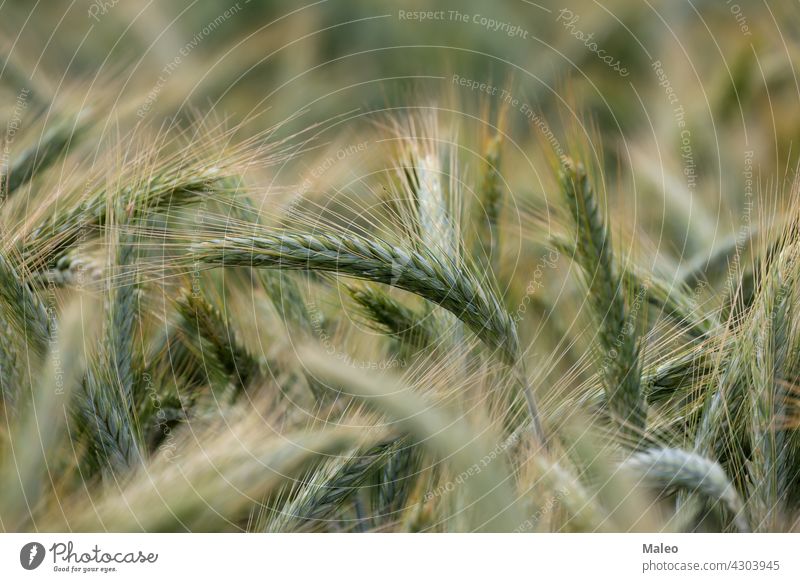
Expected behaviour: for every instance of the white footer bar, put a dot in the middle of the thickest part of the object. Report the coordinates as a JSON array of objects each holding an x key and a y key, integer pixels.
[{"x": 401, "y": 557}]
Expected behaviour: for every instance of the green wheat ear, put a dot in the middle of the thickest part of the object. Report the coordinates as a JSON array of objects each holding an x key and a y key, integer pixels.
[
  {"x": 490, "y": 208},
  {"x": 213, "y": 340},
  {"x": 54, "y": 144},
  {"x": 412, "y": 330},
  {"x": 490, "y": 504},
  {"x": 671, "y": 469},
  {"x": 23, "y": 311},
  {"x": 329, "y": 489},
  {"x": 104, "y": 411},
  {"x": 617, "y": 337},
  {"x": 672, "y": 300},
  {"x": 421, "y": 272}
]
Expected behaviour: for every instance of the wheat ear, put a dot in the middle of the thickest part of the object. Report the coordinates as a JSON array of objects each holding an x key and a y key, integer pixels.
[
  {"x": 618, "y": 338},
  {"x": 412, "y": 330},
  {"x": 418, "y": 272},
  {"x": 105, "y": 405},
  {"x": 669, "y": 468},
  {"x": 423, "y": 273},
  {"x": 330, "y": 487},
  {"x": 769, "y": 399},
  {"x": 53, "y": 145},
  {"x": 22, "y": 309},
  {"x": 206, "y": 327}
]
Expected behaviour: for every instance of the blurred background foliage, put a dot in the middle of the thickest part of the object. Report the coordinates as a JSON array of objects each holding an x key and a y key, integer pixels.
[
  {"x": 705, "y": 116},
  {"x": 730, "y": 65}
]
